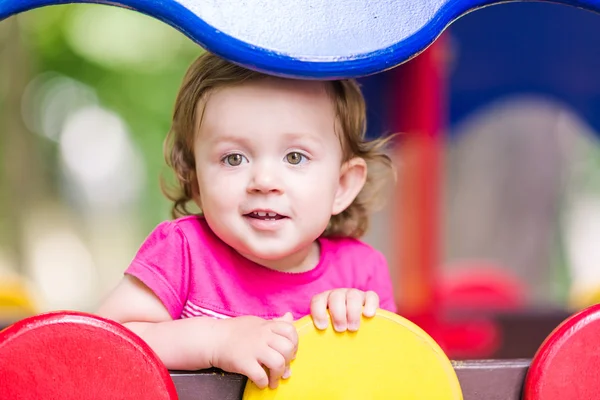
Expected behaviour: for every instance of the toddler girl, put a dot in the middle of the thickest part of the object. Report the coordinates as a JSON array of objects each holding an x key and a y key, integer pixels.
[{"x": 284, "y": 182}]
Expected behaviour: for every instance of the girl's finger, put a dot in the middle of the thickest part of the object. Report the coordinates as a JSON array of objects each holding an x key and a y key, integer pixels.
[
  {"x": 257, "y": 374},
  {"x": 283, "y": 346},
  {"x": 354, "y": 308},
  {"x": 337, "y": 309},
  {"x": 371, "y": 304},
  {"x": 276, "y": 365},
  {"x": 318, "y": 310}
]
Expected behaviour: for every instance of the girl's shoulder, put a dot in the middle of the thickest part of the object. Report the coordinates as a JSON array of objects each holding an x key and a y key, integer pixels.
[
  {"x": 191, "y": 225},
  {"x": 190, "y": 222},
  {"x": 191, "y": 228},
  {"x": 348, "y": 248},
  {"x": 357, "y": 263}
]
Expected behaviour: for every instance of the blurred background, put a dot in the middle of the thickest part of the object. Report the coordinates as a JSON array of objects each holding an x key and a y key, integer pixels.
[
  {"x": 86, "y": 98},
  {"x": 498, "y": 194}
]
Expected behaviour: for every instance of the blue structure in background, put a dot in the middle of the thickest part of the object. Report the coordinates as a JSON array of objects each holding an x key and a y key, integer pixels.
[
  {"x": 510, "y": 48},
  {"x": 517, "y": 48},
  {"x": 536, "y": 48}
]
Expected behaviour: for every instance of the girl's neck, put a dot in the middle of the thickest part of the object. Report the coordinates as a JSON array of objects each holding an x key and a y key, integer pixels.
[{"x": 302, "y": 260}]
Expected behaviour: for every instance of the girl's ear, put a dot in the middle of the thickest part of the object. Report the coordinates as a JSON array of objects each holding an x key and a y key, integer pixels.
[{"x": 353, "y": 176}]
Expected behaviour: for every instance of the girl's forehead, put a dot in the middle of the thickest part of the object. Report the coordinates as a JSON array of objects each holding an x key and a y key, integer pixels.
[
  {"x": 279, "y": 100},
  {"x": 277, "y": 109},
  {"x": 272, "y": 89}
]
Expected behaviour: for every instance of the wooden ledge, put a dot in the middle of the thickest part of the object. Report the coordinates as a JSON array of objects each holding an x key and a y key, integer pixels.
[{"x": 479, "y": 379}]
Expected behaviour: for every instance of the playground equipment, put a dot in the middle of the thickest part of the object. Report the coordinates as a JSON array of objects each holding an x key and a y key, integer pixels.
[
  {"x": 311, "y": 40},
  {"x": 72, "y": 355},
  {"x": 52, "y": 356},
  {"x": 386, "y": 346}
]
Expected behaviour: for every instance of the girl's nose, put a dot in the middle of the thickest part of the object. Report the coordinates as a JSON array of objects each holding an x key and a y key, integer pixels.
[{"x": 265, "y": 179}]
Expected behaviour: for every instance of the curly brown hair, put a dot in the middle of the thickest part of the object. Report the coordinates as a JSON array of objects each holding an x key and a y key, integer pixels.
[{"x": 210, "y": 72}]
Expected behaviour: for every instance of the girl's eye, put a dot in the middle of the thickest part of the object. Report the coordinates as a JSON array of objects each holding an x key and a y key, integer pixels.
[
  {"x": 295, "y": 158},
  {"x": 234, "y": 159}
]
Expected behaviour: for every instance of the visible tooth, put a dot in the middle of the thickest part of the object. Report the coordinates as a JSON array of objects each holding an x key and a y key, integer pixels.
[
  {"x": 262, "y": 214},
  {"x": 272, "y": 214}
]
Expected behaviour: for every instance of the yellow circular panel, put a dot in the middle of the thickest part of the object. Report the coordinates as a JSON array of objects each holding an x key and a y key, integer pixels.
[{"x": 389, "y": 357}]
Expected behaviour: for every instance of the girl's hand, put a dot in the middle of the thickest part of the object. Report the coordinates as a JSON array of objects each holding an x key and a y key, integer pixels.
[
  {"x": 260, "y": 349},
  {"x": 345, "y": 307}
]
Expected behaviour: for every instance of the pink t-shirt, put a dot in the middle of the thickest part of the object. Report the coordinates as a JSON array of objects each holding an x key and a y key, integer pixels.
[{"x": 194, "y": 273}]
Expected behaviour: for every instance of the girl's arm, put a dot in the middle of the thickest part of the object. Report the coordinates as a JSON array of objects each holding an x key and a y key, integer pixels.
[
  {"x": 242, "y": 344},
  {"x": 135, "y": 306}
]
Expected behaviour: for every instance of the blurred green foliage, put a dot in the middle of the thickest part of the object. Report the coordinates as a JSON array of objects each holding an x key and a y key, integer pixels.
[{"x": 80, "y": 41}]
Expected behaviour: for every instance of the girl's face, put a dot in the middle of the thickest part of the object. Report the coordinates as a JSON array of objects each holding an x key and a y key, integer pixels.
[{"x": 270, "y": 172}]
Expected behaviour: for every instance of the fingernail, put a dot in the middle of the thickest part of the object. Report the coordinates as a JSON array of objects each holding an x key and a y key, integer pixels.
[
  {"x": 287, "y": 373},
  {"x": 339, "y": 328},
  {"x": 353, "y": 327},
  {"x": 321, "y": 324},
  {"x": 369, "y": 313}
]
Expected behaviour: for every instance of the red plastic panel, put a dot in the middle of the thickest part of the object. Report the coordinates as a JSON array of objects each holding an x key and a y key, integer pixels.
[
  {"x": 481, "y": 285},
  {"x": 71, "y": 355},
  {"x": 478, "y": 288},
  {"x": 566, "y": 365}
]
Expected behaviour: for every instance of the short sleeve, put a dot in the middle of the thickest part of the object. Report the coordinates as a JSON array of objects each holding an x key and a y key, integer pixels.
[
  {"x": 381, "y": 283},
  {"x": 163, "y": 264}
]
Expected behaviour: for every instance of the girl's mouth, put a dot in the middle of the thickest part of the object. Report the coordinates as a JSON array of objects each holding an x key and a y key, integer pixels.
[{"x": 265, "y": 215}]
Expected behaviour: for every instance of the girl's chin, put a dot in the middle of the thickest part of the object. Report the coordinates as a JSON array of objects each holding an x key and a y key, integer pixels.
[
  {"x": 266, "y": 256},
  {"x": 283, "y": 259}
]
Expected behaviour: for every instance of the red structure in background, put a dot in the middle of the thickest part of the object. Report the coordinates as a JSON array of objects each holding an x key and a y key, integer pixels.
[
  {"x": 424, "y": 294},
  {"x": 419, "y": 92}
]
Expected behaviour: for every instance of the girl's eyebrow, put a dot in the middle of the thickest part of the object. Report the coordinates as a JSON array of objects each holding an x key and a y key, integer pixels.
[
  {"x": 316, "y": 139},
  {"x": 231, "y": 139},
  {"x": 245, "y": 140}
]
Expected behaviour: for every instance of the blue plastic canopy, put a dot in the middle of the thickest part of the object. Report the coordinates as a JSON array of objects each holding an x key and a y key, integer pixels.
[{"x": 320, "y": 39}]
